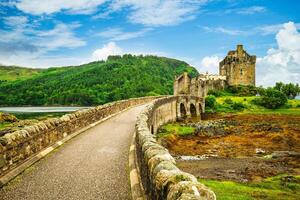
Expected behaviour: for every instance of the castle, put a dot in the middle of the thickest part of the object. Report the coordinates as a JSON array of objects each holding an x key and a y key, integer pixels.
[{"x": 237, "y": 68}]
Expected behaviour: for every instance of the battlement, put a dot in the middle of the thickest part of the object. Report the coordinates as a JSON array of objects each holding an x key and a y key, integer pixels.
[{"x": 238, "y": 56}]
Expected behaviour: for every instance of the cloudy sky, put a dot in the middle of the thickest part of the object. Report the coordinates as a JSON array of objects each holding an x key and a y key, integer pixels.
[{"x": 35, "y": 33}]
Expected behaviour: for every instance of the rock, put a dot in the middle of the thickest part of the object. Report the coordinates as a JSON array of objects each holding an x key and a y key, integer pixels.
[
  {"x": 5, "y": 117},
  {"x": 190, "y": 190},
  {"x": 281, "y": 154},
  {"x": 288, "y": 179},
  {"x": 259, "y": 151},
  {"x": 2, "y": 161},
  {"x": 276, "y": 129}
]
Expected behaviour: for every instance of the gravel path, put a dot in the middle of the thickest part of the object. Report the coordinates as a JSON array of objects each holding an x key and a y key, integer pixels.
[{"x": 94, "y": 165}]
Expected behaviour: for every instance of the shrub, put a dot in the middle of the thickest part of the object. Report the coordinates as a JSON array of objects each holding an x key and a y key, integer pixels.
[
  {"x": 228, "y": 101},
  {"x": 272, "y": 98},
  {"x": 243, "y": 90},
  {"x": 216, "y": 93},
  {"x": 238, "y": 106},
  {"x": 210, "y": 101}
]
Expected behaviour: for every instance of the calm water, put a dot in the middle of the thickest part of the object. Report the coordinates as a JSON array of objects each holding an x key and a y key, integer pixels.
[{"x": 40, "y": 109}]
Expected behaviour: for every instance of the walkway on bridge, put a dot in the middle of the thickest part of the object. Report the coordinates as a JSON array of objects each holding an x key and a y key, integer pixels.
[{"x": 93, "y": 165}]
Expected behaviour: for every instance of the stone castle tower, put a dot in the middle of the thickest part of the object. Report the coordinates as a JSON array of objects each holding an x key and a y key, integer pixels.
[{"x": 238, "y": 67}]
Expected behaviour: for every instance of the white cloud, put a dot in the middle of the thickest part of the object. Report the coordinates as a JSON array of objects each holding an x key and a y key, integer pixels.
[
  {"x": 242, "y": 11},
  {"x": 112, "y": 48},
  {"x": 251, "y": 10},
  {"x": 158, "y": 12},
  {"x": 283, "y": 63},
  {"x": 117, "y": 34},
  {"x": 146, "y": 12},
  {"x": 61, "y": 36},
  {"x": 15, "y": 21},
  {"x": 272, "y": 29},
  {"x": 226, "y": 31},
  {"x": 32, "y": 61},
  {"x": 262, "y": 30},
  {"x": 108, "y": 49},
  {"x": 38, "y": 7},
  {"x": 210, "y": 64},
  {"x": 22, "y": 43}
]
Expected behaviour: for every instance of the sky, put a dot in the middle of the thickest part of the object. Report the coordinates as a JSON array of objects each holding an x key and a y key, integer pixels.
[{"x": 53, "y": 33}]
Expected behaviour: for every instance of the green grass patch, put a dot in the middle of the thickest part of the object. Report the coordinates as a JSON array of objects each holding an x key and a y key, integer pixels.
[
  {"x": 226, "y": 105},
  {"x": 12, "y": 73},
  {"x": 4, "y": 125},
  {"x": 176, "y": 129},
  {"x": 282, "y": 187}
]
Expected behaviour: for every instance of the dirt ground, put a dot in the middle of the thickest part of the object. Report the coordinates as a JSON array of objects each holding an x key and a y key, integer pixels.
[{"x": 243, "y": 148}]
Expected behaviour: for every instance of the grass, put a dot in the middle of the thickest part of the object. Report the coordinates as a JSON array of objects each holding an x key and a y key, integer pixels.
[
  {"x": 291, "y": 108},
  {"x": 4, "y": 125},
  {"x": 175, "y": 129},
  {"x": 12, "y": 73},
  {"x": 271, "y": 188}
]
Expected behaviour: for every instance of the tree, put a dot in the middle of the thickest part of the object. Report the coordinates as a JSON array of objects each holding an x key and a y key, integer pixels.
[
  {"x": 290, "y": 90},
  {"x": 120, "y": 77},
  {"x": 272, "y": 98},
  {"x": 210, "y": 101}
]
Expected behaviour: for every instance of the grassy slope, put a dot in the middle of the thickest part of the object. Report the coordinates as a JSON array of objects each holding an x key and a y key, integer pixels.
[
  {"x": 176, "y": 129},
  {"x": 12, "y": 73},
  {"x": 271, "y": 188},
  {"x": 292, "y": 107}
]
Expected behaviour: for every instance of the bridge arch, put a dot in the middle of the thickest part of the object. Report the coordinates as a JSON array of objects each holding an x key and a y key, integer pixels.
[
  {"x": 200, "y": 110},
  {"x": 182, "y": 110},
  {"x": 193, "y": 110}
]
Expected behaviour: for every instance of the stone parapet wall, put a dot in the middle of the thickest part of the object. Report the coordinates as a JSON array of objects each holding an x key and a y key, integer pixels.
[
  {"x": 160, "y": 177},
  {"x": 17, "y": 147}
]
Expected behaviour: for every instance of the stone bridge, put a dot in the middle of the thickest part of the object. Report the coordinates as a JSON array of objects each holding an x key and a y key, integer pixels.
[{"x": 94, "y": 164}]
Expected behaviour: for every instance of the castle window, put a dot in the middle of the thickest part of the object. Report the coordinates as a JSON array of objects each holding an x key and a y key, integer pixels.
[{"x": 241, "y": 71}]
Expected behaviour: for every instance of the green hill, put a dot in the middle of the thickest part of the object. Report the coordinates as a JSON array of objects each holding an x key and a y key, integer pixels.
[
  {"x": 97, "y": 82},
  {"x": 12, "y": 73}
]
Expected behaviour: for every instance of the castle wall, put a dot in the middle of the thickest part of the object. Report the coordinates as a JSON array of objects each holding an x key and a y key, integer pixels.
[
  {"x": 182, "y": 84},
  {"x": 198, "y": 86}
]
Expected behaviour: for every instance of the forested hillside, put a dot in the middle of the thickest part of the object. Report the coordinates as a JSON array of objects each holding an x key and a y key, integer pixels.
[{"x": 97, "y": 82}]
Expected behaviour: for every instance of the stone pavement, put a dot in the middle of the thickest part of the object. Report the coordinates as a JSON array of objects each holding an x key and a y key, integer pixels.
[{"x": 93, "y": 165}]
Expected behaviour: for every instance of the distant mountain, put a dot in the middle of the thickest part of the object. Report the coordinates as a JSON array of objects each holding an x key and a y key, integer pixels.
[{"x": 120, "y": 77}]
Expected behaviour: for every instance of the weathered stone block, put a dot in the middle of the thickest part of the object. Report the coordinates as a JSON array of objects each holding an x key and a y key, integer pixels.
[
  {"x": 2, "y": 161},
  {"x": 190, "y": 190},
  {"x": 155, "y": 160}
]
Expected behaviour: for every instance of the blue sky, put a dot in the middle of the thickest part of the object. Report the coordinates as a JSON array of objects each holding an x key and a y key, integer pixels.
[{"x": 68, "y": 32}]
